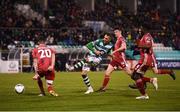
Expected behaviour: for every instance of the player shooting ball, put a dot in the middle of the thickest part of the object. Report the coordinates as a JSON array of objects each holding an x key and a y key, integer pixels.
[{"x": 97, "y": 49}]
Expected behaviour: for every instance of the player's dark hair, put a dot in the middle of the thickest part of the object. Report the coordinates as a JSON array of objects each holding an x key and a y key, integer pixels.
[
  {"x": 142, "y": 31},
  {"x": 118, "y": 28},
  {"x": 109, "y": 35},
  {"x": 41, "y": 39}
]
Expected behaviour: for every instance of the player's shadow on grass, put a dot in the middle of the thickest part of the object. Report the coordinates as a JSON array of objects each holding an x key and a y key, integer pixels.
[
  {"x": 95, "y": 91},
  {"x": 78, "y": 91},
  {"x": 127, "y": 93},
  {"x": 119, "y": 92},
  {"x": 31, "y": 94}
]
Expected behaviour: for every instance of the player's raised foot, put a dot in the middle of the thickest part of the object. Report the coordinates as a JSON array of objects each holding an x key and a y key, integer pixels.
[
  {"x": 172, "y": 74},
  {"x": 41, "y": 94},
  {"x": 53, "y": 93},
  {"x": 90, "y": 90},
  {"x": 143, "y": 97},
  {"x": 155, "y": 84},
  {"x": 101, "y": 89},
  {"x": 70, "y": 68}
]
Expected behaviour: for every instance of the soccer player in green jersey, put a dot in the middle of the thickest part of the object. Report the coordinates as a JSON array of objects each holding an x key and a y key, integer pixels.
[{"x": 97, "y": 49}]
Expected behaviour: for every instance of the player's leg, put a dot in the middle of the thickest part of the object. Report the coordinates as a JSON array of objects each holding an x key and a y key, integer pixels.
[
  {"x": 50, "y": 75},
  {"x": 145, "y": 80},
  {"x": 50, "y": 88},
  {"x": 137, "y": 77},
  {"x": 164, "y": 71},
  {"x": 142, "y": 70},
  {"x": 78, "y": 65},
  {"x": 136, "y": 68},
  {"x": 107, "y": 74},
  {"x": 127, "y": 69},
  {"x": 86, "y": 80},
  {"x": 161, "y": 71},
  {"x": 92, "y": 61},
  {"x": 153, "y": 81},
  {"x": 40, "y": 84}
]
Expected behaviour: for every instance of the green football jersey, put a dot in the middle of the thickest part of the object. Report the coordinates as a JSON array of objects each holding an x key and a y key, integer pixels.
[{"x": 100, "y": 46}]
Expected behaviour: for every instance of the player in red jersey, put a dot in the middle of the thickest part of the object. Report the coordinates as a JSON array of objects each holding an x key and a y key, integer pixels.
[
  {"x": 147, "y": 60},
  {"x": 118, "y": 59},
  {"x": 146, "y": 45},
  {"x": 147, "y": 38},
  {"x": 43, "y": 62}
]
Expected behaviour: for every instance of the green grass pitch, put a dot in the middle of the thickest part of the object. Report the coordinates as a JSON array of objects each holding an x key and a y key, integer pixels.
[{"x": 71, "y": 89}]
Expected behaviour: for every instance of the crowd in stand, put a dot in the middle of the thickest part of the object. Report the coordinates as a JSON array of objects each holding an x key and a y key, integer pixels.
[
  {"x": 66, "y": 13},
  {"x": 65, "y": 23},
  {"x": 16, "y": 37}
]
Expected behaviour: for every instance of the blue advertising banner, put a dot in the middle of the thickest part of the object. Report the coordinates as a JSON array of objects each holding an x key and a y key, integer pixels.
[{"x": 174, "y": 64}]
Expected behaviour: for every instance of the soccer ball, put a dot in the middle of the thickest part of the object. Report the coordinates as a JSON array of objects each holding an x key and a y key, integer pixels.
[{"x": 19, "y": 88}]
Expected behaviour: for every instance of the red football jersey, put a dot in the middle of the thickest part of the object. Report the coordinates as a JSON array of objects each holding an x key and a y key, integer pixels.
[
  {"x": 44, "y": 56},
  {"x": 146, "y": 41},
  {"x": 119, "y": 56},
  {"x": 151, "y": 60}
]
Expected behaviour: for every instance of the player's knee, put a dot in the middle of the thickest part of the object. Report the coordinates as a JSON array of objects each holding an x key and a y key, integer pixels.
[
  {"x": 108, "y": 72},
  {"x": 49, "y": 82},
  {"x": 135, "y": 76},
  {"x": 84, "y": 72}
]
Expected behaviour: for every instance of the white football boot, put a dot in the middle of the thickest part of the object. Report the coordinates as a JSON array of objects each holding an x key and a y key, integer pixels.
[
  {"x": 90, "y": 90},
  {"x": 144, "y": 97}
]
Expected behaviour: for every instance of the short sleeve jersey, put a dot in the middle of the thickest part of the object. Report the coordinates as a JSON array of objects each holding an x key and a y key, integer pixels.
[
  {"x": 44, "y": 56},
  {"x": 119, "y": 55}
]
